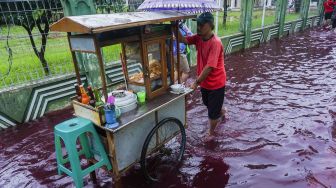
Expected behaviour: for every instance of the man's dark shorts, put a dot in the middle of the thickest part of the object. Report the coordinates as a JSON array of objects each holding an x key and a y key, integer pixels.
[
  {"x": 327, "y": 16},
  {"x": 213, "y": 100}
]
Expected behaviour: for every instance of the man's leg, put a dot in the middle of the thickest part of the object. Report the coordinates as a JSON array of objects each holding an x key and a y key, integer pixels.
[
  {"x": 204, "y": 93},
  {"x": 326, "y": 17},
  {"x": 185, "y": 69},
  {"x": 215, "y": 104},
  {"x": 329, "y": 22},
  {"x": 333, "y": 24},
  {"x": 175, "y": 77},
  {"x": 213, "y": 125},
  {"x": 184, "y": 77}
]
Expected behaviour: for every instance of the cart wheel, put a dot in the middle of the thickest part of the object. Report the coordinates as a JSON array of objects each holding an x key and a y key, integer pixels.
[{"x": 163, "y": 149}]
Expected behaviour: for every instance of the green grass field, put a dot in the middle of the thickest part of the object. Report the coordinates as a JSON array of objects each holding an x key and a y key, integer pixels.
[{"x": 26, "y": 66}]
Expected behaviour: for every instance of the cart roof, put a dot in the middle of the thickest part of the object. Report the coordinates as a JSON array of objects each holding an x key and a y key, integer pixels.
[{"x": 99, "y": 23}]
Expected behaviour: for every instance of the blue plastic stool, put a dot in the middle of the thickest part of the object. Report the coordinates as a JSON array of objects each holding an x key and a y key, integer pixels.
[{"x": 69, "y": 131}]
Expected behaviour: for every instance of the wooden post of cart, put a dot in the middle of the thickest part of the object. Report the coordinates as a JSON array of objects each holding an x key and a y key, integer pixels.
[
  {"x": 177, "y": 51},
  {"x": 148, "y": 62}
]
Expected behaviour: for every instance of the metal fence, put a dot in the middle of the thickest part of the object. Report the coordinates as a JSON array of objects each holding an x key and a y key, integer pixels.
[{"x": 29, "y": 52}]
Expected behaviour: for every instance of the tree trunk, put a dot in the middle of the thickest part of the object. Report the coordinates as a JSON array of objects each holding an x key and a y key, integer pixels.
[
  {"x": 44, "y": 64},
  {"x": 31, "y": 38},
  {"x": 44, "y": 33}
]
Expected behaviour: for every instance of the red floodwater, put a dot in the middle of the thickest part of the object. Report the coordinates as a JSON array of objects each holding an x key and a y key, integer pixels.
[{"x": 280, "y": 130}]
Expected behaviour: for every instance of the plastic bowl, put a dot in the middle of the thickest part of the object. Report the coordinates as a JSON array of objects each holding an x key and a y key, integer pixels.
[
  {"x": 122, "y": 101},
  {"x": 128, "y": 107},
  {"x": 177, "y": 87}
]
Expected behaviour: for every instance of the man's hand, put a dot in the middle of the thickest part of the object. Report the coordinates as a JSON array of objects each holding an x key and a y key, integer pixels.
[
  {"x": 202, "y": 77},
  {"x": 194, "y": 85}
]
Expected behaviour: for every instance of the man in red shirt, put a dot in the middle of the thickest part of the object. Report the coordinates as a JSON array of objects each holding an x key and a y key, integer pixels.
[
  {"x": 210, "y": 67},
  {"x": 328, "y": 9}
]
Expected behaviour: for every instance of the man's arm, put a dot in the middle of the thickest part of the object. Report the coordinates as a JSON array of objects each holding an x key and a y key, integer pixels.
[
  {"x": 212, "y": 61},
  {"x": 182, "y": 38},
  {"x": 204, "y": 74}
]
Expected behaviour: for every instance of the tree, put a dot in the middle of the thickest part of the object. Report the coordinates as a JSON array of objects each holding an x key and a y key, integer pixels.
[{"x": 30, "y": 15}]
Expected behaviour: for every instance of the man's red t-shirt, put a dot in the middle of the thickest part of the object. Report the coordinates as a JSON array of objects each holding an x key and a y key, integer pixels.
[
  {"x": 328, "y": 6},
  {"x": 210, "y": 53}
]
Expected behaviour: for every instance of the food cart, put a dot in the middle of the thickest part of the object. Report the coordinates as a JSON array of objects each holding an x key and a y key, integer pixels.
[{"x": 151, "y": 130}]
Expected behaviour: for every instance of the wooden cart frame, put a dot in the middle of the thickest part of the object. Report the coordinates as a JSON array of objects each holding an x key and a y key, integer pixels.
[{"x": 84, "y": 34}]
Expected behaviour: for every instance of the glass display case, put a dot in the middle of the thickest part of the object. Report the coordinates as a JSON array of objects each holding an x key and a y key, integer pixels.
[
  {"x": 146, "y": 70},
  {"x": 134, "y": 65}
]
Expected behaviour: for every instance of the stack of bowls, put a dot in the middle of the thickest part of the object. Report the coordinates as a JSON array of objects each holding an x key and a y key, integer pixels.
[{"x": 125, "y": 103}]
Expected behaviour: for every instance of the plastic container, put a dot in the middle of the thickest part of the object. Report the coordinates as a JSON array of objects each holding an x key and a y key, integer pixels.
[
  {"x": 127, "y": 101},
  {"x": 111, "y": 115},
  {"x": 141, "y": 96},
  {"x": 130, "y": 98},
  {"x": 110, "y": 100},
  {"x": 128, "y": 107}
]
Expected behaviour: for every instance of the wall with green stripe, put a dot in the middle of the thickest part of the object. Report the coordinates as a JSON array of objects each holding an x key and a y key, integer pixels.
[{"x": 234, "y": 43}]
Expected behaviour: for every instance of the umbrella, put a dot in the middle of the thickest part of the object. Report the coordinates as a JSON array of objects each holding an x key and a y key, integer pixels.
[{"x": 190, "y": 6}]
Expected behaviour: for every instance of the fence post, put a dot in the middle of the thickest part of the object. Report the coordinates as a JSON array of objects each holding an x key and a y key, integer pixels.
[
  {"x": 246, "y": 21},
  {"x": 78, "y": 7},
  {"x": 281, "y": 15},
  {"x": 304, "y": 12}
]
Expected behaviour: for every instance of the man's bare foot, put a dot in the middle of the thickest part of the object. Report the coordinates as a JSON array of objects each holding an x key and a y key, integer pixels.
[
  {"x": 208, "y": 138},
  {"x": 213, "y": 125},
  {"x": 212, "y": 130},
  {"x": 223, "y": 114}
]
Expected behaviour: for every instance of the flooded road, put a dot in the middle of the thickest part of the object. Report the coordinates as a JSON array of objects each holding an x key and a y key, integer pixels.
[{"x": 280, "y": 130}]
